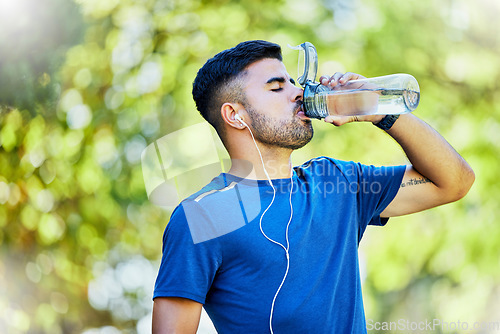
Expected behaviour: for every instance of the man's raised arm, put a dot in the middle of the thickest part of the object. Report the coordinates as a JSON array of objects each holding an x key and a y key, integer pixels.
[{"x": 437, "y": 175}]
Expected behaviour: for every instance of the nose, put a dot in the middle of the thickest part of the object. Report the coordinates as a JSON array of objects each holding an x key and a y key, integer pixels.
[{"x": 298, "y": 94}]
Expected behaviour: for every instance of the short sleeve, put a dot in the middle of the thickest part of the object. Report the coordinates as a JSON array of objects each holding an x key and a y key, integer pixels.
[
  {"x": 187, "y": 268},
  {"x": 377, "y": 188},
  {"x": 370, "y": 189}
]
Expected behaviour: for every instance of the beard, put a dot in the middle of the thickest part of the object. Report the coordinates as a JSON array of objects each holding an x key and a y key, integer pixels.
[{"x": 293, "y": 133}]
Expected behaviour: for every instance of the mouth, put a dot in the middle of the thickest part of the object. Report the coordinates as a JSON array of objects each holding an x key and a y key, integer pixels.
[{"x": 301, "y": 114}]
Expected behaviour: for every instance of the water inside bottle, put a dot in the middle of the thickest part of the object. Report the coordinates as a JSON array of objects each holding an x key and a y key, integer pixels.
[{"x": 377, "y": 101}]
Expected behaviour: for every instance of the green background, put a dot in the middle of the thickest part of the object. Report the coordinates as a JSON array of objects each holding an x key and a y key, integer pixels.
[{"x": 85, "y": 86}]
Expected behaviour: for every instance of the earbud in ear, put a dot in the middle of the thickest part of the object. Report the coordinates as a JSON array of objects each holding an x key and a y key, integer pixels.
[{"x": 238, "y": 117}]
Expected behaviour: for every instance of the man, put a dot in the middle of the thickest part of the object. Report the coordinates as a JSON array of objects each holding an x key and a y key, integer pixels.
[{"x": 267, "y": 248}]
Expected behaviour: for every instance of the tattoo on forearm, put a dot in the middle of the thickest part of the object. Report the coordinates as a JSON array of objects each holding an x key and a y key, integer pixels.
[{"x": 415, "y": 181}]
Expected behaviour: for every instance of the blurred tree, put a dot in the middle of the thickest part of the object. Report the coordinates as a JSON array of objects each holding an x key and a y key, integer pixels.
[{"x": 33, "y": 40}]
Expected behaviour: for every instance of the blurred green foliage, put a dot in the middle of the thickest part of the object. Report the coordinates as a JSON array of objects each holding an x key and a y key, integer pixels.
[
  {"x": 85, "y": 86},
  {"x": 34, "y": 37}
]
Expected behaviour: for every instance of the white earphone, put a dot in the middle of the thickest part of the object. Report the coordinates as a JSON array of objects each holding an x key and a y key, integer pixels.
[
  {"x": 238, "y": 117},
  {"x": 286, "y": 247}
]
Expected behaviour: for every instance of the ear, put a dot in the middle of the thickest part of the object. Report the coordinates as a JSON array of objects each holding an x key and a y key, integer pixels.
[{"x": 228, "y": 112}]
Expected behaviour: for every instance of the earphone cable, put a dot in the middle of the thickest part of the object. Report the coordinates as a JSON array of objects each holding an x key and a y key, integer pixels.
[{"x": 286, "y": 249}]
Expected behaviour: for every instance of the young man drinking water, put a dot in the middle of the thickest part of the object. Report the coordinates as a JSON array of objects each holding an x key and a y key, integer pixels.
[{"x": 265, "y": 248}]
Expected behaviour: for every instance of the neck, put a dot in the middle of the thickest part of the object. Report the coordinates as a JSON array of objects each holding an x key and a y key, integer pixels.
[{"x": 277, "y": 163}]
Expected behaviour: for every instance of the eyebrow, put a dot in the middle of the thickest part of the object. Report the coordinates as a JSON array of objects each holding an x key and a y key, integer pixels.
[{"x": 280, "y": 80}]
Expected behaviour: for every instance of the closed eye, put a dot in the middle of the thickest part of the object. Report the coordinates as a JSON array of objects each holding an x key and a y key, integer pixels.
[{"x": 280, "y": 81}]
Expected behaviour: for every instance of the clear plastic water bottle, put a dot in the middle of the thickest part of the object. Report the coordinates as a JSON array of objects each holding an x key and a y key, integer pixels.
[{"x": 390, "y": 94}]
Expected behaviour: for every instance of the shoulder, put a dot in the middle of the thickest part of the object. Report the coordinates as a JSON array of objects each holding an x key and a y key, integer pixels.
[
  {"x": 178, "y": 222},
  {"x": 217, "y": 183},
  {"x": 223, "y": 206}
]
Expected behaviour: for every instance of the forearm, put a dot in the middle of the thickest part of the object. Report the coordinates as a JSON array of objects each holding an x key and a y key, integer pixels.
[{"x": 432, "y": 156}]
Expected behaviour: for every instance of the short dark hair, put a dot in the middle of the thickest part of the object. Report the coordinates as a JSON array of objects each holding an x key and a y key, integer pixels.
[{"x": 216, "y": 82}]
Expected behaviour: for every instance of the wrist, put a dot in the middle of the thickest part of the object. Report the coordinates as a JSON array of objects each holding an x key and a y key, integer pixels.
[{"x": 386, "y": 122}]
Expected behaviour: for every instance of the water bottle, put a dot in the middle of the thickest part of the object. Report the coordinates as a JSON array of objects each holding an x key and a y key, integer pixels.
[{"x": 385, "y": 95}]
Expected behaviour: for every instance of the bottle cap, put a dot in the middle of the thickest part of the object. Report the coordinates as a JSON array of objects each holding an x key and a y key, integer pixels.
[{"x": 307, "y": 64}]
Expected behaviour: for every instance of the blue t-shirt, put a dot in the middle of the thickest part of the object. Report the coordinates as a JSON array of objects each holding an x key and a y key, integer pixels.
[{"x": 215, "y": 253}]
